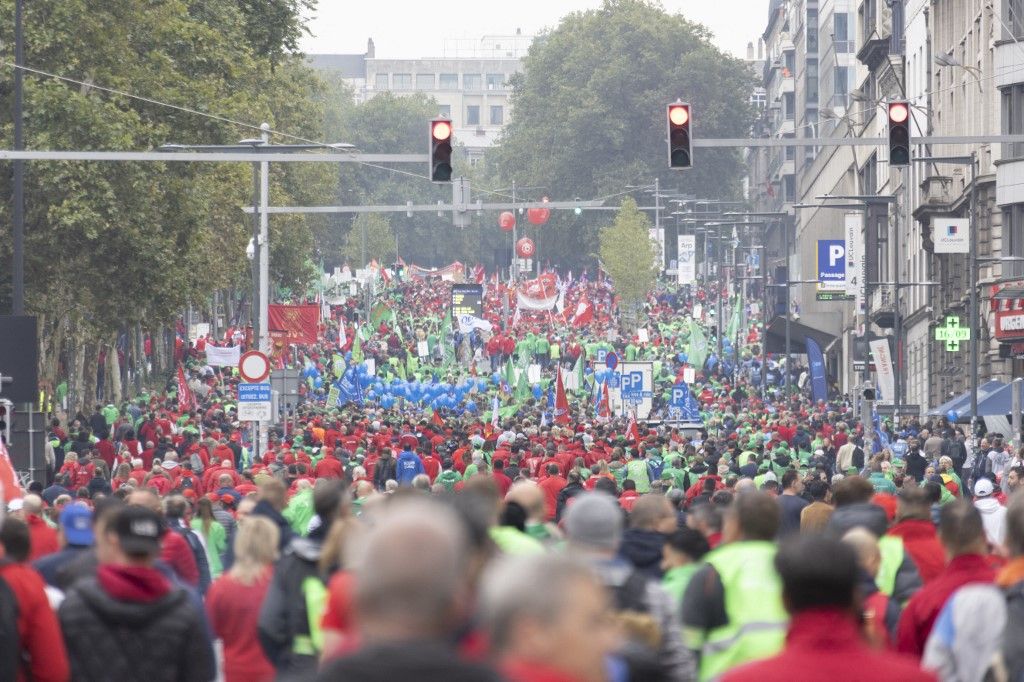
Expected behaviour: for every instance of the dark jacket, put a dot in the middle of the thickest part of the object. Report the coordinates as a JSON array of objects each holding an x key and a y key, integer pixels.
[
  {"x": 51, "y": 565},
  {"x": 422, "y": 660},
  {"x": 265, "y": 509},
  {"x": 284, "y": 620},
  {"x": 571, "y": 490},
  {"x": 642, "y": 548},
  {"x": 109, "y": 639},
  {"x": 383, "y": 471}
]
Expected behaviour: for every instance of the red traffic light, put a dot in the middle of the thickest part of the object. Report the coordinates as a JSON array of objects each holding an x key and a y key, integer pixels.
[
  {"x": 898, "y": 112},
  {"x": 678, "y": 115},
  {"x": 441, "y": 130}
]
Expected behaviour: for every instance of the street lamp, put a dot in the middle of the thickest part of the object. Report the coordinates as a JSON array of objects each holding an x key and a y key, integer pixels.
[{"x": 261, "y": 224}]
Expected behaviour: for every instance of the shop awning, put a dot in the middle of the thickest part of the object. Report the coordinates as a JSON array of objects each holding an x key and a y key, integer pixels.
[
  {"x": 775, "y": 339},
  {"x": 962, "y": 403},
  {"x": 999, "y": 403}
]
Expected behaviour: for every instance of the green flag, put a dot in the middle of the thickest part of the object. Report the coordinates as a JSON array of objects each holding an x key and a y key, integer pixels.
[
  {"x": 522, "y": 388},
  {"x": 734, "y": 321},
  {"x": 447, "y": 347},
  {"x": 510, "y": 374},
  {"x": 357, "y": 349},
  {"x": 698, "y": 352}
]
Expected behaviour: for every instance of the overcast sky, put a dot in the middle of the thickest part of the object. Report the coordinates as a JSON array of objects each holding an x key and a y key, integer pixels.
[{"x": 410, "y": 29}]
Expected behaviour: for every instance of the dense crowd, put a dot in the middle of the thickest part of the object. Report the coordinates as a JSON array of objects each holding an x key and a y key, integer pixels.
[{"x": 445, "y": 520}]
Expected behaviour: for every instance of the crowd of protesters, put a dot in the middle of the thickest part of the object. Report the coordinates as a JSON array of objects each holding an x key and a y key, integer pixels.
[{"x": 373, "y": 542}]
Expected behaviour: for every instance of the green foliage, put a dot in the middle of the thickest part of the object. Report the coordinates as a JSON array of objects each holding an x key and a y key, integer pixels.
[
  {"x": 628, "y": 254},
  {"x": 590, "y": 112},
  {"x": 380, "y": 241},
  {"x": 389, "y": 123},
  {"x": 117, "y": 243}
]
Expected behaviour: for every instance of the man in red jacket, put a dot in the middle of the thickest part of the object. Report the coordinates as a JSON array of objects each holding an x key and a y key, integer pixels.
[
  {"x": 43, "y": 538},
  {"x": 551, "y": 485},
  {"x": 914, "y": 526},
  {"x": 39, "y": 636},
  {"x": 963, "y": 536},
  {"x": 824, "y": 642},
  {"x": 174, "y": 549}
]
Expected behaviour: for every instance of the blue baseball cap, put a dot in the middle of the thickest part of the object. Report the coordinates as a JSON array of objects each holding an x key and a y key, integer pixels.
[{"x": 76, "y": 522}]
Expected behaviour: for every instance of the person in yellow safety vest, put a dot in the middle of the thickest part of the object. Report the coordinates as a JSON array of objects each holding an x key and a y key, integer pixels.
[
  {"x": 732, "y": 609},
  {"x": 898, "y": 577}
]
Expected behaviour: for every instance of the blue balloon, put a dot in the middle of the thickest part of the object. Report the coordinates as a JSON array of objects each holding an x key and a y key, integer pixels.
[
  {"x": 318, "y": 382},
  {"x": 683, "y": 357},
  {"x": 952, "y": 416},
  {"x": 481, "y": 385},
  {"x": 471, "y": 406},
  {"x": 496, "y": 378},
  {"x": 537, "y": 391}
]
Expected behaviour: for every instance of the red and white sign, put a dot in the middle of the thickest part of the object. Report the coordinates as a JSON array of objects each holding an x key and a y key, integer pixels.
[
  {"x": 254, "y": 367},
  {"x": 525, "y": 247},
  {"x": 1009, "y": 313}
]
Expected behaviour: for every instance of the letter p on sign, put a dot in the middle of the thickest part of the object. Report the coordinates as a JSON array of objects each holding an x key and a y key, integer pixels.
[{"x": 836, "y": 254}]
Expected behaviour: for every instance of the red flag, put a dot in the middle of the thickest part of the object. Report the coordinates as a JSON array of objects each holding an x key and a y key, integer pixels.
[
  {"x": 186, "y": 401},
  {"x": 385, "y": 276},
  {"x": 604, "y": 408},
  {"x": 294, "y": 323},
  {"x": 584, "y": 312},
  {"x": 478, "y": 274},
  {"x": 10, "y": 485},
  {"x": 632, "y": 431},
  {"x": 561, "y": 402},
  {"x": 436, "y": 419}
]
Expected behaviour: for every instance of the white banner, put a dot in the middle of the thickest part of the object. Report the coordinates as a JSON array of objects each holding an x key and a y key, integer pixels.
[
  {"x": 529, "y": 303},
  {"x": 687, "y": 265},
  {"x": 855, "y": 263},
  {"x": 223, "y": 357},
  {"x": 884, "y": 369},
  {"x": 951, "y": 235},
  {"x": 467, "y": 323}
]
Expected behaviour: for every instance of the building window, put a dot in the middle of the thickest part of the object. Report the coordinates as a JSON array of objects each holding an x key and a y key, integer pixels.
[
  {"x": 449, "y": 81},
  {"x": 789, "y": 105},
  {"x": 841, "y": 32},
  {"x": 790, "y": 63},
  {"x": 811, "y": 80},
  {"x": 497, "y": 115},
  {"x": 1014, "y": 220},
  {"x": 495, "y": 81},
  {"x": 473, "y": 115},
  {"x": 842, "y": 87},
  {"x": 758, "y": 98},
  {"x": 401, "y": 81},
  {"x": 788, "y": 188},
  {"x": 1014, "y": 19},
  {"x": 472, "y": 81},
  {"x": 445, "y": 110},
  {"x": 381, "y": 81},
  {"x": 812, "y": 31},
  {"x": 424, "y": 81},
  {"x": 1013, "y": 120}
]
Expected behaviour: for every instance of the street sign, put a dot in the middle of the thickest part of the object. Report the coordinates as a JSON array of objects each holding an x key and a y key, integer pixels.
[
  {"x": 904, "y": 410},
  {"x": 601, "y": 354},
  {"x": 613, "y": 381},
  {"x": 952, "y": 333},
  {"x": 254, "y": 402},
  {"x": 633, "y": 387},
  {"x": 611, "y": 360},
  {"x": 254, "y": 367}
]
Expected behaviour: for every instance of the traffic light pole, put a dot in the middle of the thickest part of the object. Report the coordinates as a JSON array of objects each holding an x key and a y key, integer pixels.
[{"x": 972, "y": 257}]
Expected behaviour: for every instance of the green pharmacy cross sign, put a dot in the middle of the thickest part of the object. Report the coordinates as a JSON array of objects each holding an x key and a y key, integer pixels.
[{"x": 952, "y": 333}]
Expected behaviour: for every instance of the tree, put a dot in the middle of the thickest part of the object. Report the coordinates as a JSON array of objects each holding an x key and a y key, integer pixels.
[
  {"x": 389, "y": 123},
  {"x": 628, "y": 256},
  {"x": 380, "y": 240},
  {"x": 590, "y": 112}
]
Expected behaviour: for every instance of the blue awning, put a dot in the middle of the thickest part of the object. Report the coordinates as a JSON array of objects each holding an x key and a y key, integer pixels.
[
  {"x": 998, "y": 404},
  {"x": 962, "y": 403}
]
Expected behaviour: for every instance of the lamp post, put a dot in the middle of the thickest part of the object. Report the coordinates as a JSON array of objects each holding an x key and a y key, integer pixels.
[{"x": 261, "y": 238}]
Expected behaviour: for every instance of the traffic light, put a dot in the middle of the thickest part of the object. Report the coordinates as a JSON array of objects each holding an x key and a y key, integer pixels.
[
  {"x": 899, "y": 134},
  {"x": 680, "y": 147},
  {"x": 868, "y": 394},
  {"x": 440, "y": 150}
]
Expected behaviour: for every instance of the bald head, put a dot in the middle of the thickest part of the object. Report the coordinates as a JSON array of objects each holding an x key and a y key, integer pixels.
[
  {"x": 411, "y": 573},
  {"x": 529, "y": 495},
  {"x": 146, "y": 498},
  {"x": 32, "y": 504}
]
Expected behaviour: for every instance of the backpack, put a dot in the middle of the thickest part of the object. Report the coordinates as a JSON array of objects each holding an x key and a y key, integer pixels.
[
  {"x": 198, "y": 552},
  {"x": 858, "y": 458},
  {"x": 197, "y": 463},
  {"x": 11, "y": 656},
  {"x": 643, "y": 635}
]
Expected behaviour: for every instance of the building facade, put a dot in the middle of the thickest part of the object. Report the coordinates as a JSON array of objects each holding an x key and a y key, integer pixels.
[
  {"x": 959, "y": 65},
  {"x": 470, "y": 82}
]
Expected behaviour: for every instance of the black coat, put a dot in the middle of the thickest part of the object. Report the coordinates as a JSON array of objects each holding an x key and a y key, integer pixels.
[{"x": 159, "y": 641}]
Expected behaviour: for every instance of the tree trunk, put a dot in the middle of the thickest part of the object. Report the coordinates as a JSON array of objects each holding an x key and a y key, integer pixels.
[
  {"x": 113, "y": 368},
  {"x": 157, "y": 339},
  {"x": 75, "y": 372},
  {"x": 90, "y": 368}
]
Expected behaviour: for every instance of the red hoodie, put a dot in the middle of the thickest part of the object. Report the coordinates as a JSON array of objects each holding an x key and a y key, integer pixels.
[{"x": 38, "y": 628}]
